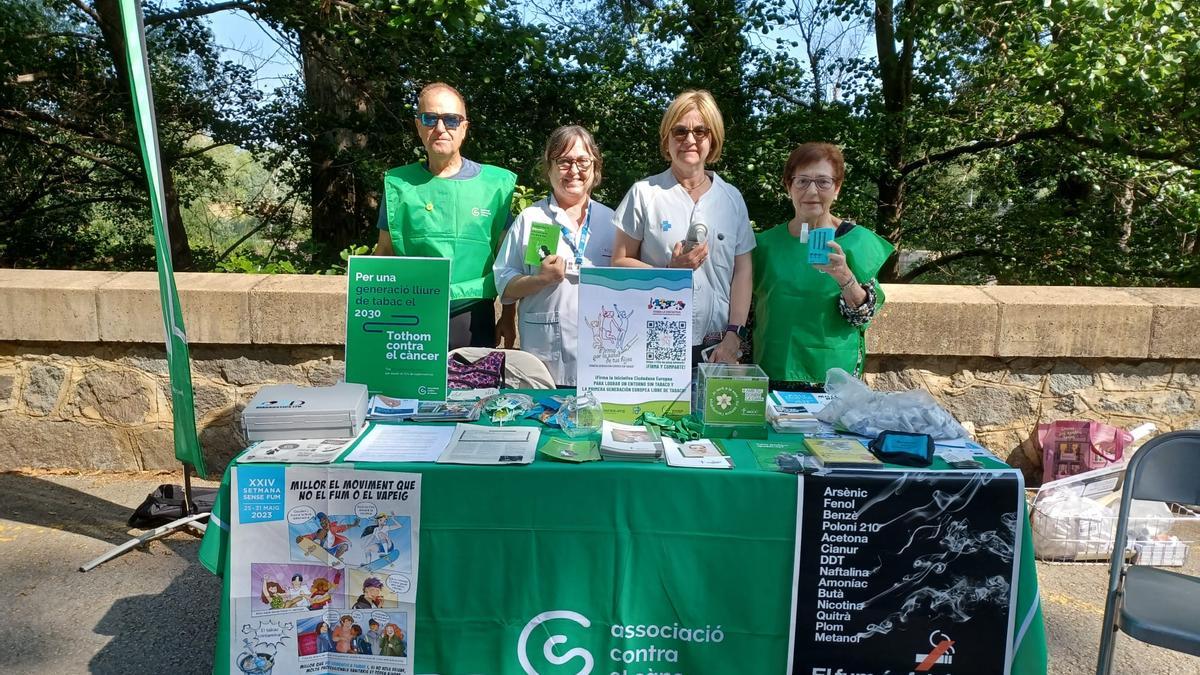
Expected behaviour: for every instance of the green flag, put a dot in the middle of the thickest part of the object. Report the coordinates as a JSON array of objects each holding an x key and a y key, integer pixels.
[{"x": 187, "y": 445}]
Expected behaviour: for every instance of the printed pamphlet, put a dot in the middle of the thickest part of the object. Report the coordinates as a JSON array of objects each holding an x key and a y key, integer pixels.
[{"x": 300, "y": 451}]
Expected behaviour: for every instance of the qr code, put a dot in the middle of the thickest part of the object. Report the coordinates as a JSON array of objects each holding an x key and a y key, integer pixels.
[{"x": 666, "y": 341}]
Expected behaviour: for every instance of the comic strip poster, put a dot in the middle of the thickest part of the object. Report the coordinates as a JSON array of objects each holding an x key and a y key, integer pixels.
[
  {"x": 324, "y": 565},
  {"x": 635, "y": 340}
]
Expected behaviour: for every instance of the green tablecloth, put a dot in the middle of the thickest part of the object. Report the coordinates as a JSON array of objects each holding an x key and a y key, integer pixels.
[{"x": 627, "y": 545}]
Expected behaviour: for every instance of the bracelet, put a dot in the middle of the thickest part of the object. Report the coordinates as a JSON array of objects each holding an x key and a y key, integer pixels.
[{"x": 848, "y": 284}]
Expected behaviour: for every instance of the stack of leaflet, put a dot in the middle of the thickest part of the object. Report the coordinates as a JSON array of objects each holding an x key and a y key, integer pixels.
[
  {"x": 795, "y": 412},
  {"x": 448, "y": 411},
  {"x": 386, "y": 408},
  {"x": 629, "y": 443}
]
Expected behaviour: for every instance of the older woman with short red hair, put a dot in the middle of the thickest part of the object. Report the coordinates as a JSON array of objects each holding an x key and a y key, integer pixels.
[{"x": 810, "y": 318}]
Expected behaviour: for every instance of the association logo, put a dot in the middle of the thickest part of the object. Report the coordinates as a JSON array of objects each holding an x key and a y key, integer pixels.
[
  {"x": 665, "y": 225},
  {"x": 481, "y": 212},
  {"x": 554, "y": 640},
  {"x": 280, "y": 404},
  {"x": 723, "y": 400},
  {"x": 941, "y": 652}
]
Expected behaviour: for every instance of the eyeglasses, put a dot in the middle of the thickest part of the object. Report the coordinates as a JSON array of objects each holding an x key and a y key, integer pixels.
[
  {"x": 823, "y": 183},
  {"x": 451, "y": 120},
  {"x": 564, "y": 164},
  {"x": 681, "y": 132}
]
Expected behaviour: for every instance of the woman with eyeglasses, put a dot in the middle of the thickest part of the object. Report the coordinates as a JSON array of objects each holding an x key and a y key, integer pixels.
[
  {"x": 810, "y": 318},
  {"x": 688, "y": 217},
  {"x": 539, "y": 260}
]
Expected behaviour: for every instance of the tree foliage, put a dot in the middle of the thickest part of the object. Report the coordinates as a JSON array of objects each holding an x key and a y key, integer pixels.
[{"x": 1031, "y": 141}]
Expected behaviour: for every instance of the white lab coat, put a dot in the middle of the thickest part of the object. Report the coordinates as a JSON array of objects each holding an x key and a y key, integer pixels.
[
  {"x": 548, "y": 321},
  {"x": 658, "y": 211}
]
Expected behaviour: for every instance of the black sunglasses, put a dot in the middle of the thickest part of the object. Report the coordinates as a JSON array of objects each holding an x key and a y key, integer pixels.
[{"x": 451, "y": 120}]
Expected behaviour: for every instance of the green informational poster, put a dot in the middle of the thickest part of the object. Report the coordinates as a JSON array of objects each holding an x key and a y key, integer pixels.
[
  {"x": 543, "y": 242},
  {"x": 398, "y": 325}
]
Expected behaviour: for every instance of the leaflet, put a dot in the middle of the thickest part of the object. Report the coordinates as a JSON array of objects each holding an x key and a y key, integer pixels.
[
  {"x": 300, "y": 451},
  {"x": 472, "y": 444},
  {"x": 323, "y": 565}
]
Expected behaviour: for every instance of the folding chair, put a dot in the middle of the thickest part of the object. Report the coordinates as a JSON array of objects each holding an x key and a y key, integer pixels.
[
  {"x": 1152, "y": 605},
  {"x": 522, "y": 370}
]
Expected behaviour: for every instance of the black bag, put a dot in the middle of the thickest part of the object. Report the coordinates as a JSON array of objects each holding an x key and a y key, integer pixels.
[{"x": 166, "y": 504}]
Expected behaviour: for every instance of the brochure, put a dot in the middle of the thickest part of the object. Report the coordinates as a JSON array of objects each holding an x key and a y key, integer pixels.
[
  {"x": 629, "y": 442},
  {"x": 473, "y": 444},
  {"x": 570, "y": 450},
  {"x": 699, "y": 454},
  {"x": 543, "y": 243},
  {"x": 767, "y": 452},
  {"x": 306, "y": 451},
  {"x": 842, "y": 453},
  {"x": 387, "y": 408}
]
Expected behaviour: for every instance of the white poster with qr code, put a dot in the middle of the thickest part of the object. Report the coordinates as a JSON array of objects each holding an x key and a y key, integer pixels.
[{"x": 635, "y": 340}]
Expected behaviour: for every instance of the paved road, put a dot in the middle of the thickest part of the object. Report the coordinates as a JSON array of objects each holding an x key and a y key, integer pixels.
[{"x": 155, "y": 611}]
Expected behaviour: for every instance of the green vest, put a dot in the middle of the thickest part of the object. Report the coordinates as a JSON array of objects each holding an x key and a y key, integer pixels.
[
  {"x": 463, "y": 220},
  {"x": 798, "y": 332}
]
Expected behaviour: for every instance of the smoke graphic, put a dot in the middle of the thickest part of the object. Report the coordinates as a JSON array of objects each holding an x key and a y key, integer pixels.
[
  {"x": 955, "y": 539},
  {"x": 955, "y": 603}
]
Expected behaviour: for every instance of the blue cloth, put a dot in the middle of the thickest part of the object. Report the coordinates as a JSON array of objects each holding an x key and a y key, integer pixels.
[{"x": 468, "y": 170}]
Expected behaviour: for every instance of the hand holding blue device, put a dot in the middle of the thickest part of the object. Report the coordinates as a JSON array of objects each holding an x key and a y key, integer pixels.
[{"x": 818, "y": 245}]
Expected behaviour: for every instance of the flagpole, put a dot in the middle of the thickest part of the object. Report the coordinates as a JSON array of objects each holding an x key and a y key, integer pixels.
[{"x": 187, "y": 443}]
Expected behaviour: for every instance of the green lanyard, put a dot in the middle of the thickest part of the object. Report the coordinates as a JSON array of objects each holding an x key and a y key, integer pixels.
[{"x": 683, "y": 430}]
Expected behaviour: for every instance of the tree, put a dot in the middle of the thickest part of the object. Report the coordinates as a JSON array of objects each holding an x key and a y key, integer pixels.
[
  {"x": 961, "y": 79},
  {"x": 68, "y": 123}
]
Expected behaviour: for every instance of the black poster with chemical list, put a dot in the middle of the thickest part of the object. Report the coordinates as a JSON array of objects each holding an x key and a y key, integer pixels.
[{"x": 906, "y": 572}]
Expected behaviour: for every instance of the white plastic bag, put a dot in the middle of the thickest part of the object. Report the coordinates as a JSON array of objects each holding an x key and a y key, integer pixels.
[
  {"x": 869, "y": 413},
  {"x": 1069, "y": 527}
]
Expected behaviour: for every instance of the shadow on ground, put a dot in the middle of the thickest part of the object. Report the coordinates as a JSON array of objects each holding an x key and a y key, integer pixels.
[{"x": 153, "y": 610}]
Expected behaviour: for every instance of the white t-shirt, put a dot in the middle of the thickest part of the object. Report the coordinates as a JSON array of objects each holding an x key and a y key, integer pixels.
[
  {"x": 548, "y": 321},
  {"x": 658, "y": 211}
]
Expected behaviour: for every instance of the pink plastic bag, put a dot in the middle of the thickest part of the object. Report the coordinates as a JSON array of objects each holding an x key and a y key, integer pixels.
[{"x": 1070, "y": 447}]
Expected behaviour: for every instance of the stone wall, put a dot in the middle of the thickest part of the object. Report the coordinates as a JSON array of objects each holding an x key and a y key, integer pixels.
[{"x": 83, "y": 379}]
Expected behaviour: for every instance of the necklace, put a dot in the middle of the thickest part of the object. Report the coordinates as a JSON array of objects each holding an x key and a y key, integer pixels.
[{"x": 703, "y": 181}]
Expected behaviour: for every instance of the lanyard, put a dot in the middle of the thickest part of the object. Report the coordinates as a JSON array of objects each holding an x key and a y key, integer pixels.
[{"x": 584, "y": 233}]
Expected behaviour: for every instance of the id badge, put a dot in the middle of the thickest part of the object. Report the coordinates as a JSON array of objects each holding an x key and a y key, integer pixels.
[{"x": 572, "y": 268}]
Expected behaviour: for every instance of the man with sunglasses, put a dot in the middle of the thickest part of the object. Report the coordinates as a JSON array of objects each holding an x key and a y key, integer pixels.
[{"x": 451, "y": 207}]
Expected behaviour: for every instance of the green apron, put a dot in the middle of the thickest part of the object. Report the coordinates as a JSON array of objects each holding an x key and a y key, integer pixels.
[
  {"x": 463, "y": 220},
  {"x": 798, "y": 332}
]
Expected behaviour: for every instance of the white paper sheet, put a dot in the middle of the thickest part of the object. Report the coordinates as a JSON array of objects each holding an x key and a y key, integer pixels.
[
  {"x": 401, "y": 443},
  {"x": 472, "y": 444}
]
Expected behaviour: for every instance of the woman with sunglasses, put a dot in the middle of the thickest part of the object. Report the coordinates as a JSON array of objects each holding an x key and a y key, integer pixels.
[
  {"x": 539, "y": 261},
  {"x": 658, "y": 225},
  {"x": 810, "y": 318}
]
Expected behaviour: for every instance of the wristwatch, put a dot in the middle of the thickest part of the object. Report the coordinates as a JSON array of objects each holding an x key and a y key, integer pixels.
[{"x": 737, "y": 330}]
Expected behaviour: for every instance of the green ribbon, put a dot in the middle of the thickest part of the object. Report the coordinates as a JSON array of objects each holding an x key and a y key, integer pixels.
[{"x": 683, "y": 429}]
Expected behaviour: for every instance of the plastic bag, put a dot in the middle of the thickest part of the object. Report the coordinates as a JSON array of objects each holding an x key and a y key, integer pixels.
[
  {"x": 869, "y": 413},
  {"x": 1069, "y": 527},
  {"x": 1149, "y": 520}
]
